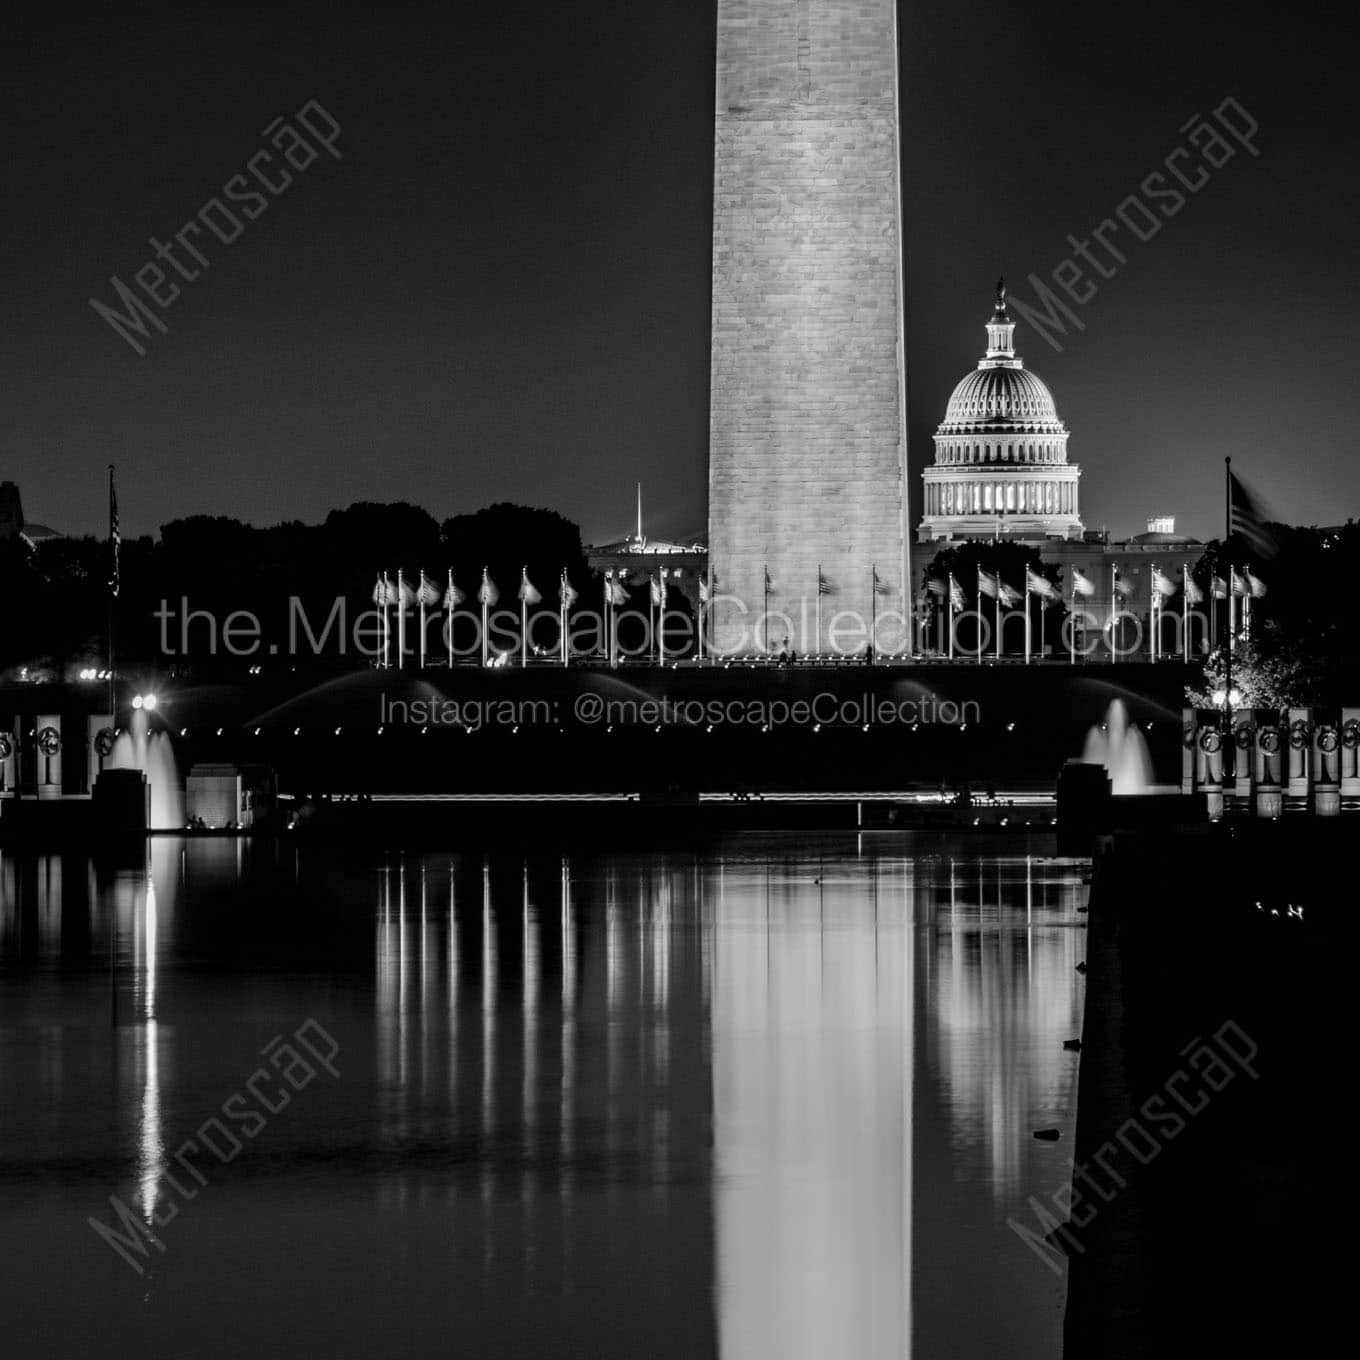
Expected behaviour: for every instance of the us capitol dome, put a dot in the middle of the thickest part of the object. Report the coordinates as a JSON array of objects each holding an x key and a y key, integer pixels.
[{"x": 1001, "y": 468}]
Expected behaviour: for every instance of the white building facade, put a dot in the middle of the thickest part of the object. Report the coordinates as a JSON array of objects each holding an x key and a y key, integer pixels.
[{"x": 1001, "y": 468}]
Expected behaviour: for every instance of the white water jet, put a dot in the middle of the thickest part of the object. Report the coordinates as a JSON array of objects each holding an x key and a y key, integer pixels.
[
  {"x": 152, "y": 752},
  {"x": 1120, "y": 747}
]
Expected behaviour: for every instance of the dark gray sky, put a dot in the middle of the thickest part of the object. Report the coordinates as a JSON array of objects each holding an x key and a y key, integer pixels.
[{"x": 502, "y": 290}]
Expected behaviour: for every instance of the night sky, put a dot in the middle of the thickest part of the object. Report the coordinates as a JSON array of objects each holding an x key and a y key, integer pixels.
[{"x": 502, "y": 290}]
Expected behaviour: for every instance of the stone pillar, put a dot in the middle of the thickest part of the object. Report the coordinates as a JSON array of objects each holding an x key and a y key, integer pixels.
[
  {"x": 47, "y": 733},
  {"x": 807, "y": 437}
]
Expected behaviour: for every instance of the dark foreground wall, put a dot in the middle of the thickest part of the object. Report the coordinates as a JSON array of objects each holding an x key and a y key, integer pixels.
[{"x": 1212, "y": 1152}]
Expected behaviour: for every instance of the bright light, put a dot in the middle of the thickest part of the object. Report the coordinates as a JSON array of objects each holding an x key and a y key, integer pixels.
[
  {"x": 1220, "y": 697},
  {"x": 148, "y": 702},
  {"x": 1235, "y": 698},
  {"x": 137, "y": 701}
]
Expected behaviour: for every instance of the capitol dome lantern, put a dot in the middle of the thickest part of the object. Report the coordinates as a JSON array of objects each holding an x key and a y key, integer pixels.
[{"x": 1001, "y": 468}]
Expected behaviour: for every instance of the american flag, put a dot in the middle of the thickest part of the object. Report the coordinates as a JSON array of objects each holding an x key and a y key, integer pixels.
[
  {"x": 1248, "y": 520},
  {"x": 528, "y": 592}
]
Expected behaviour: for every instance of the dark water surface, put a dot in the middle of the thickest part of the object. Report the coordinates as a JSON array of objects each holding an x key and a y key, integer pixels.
[{"x": 774, "y": 1097}]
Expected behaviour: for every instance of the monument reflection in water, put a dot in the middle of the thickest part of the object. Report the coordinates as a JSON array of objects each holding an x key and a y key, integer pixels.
[{"x": 773, "y": 1100}]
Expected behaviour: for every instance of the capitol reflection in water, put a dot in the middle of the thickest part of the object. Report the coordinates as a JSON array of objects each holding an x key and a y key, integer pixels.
[{"x": 771, "y": 1099}]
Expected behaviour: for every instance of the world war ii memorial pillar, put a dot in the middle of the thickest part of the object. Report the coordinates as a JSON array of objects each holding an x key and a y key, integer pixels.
[{"x": 807, "y": 447}]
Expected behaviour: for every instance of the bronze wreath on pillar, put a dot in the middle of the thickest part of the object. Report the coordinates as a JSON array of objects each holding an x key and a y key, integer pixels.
[{"x": 49, "y": 741}]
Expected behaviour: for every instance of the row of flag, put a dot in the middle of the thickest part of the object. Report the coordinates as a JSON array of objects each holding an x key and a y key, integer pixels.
[
  {"x": 1244, "y": 584},
  {"x": 426, "y": 594}
]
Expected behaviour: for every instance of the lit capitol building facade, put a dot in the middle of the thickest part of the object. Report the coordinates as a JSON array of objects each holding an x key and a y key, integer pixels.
[{"x": 1001, "y": 468}]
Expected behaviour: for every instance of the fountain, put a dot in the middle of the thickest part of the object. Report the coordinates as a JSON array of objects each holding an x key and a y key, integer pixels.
[
  {"x": 1119, "y": 746},
  {"x": 152, "y": 752}
]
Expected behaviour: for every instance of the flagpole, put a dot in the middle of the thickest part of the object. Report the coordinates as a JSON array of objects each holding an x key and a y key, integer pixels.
[
  {"x": 661, "y": 618},
  {"x": 450, "y": 618},
  {"x": 873, "y": 612},
  {"x": 1227, "y": 746},
  {"x": 422, "y": 618},
  {"x": 1155, "y": 611},
  {"x": 562, "y": 625},
  {"x": 998, "y": 616},
  {"x": 1043, "y": 613},
  {"x": 608, "y": 605},
  {"x": 1027, "y": 625},
  {"x": 817, "y": 612},
  {"x": 1185, "y": 611},
  {"x": 1072, "y": 626},
  {"x": 524, "y": 620},
  {"x": 951, "y": 615},
  {"x": 483, "y": 594},
  {"x": 703, "y": 609},
  {"x": 765, "y": 621},
  {"x": 978, "y": 611},
  {"x": 115, "y": 535}
]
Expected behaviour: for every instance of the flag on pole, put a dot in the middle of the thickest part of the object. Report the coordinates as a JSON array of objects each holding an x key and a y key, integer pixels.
[
  {"x": 703, "y": 590},
  {"x": 1121, "y": 585},
  {"x": 115, "y": 538},
  {"x": 823, "y": 585},
  {"x": 1193, "y": 594},
  {"x": 881, "y": 587},
  {"x": 1239, "y": 583},
  {"x": 380, "y": 593},
  {"x": 428, "y": 593},
  {"x": 1039, "y": 585},
  {"x": 956, "y": 596},
  {"x": 406, "y": 596},
  {"x": 453, "y": 597},
  {"x": 1219, "y": 587},
  {"x": 987, "y": 584},
  {"x": 1162, "y": 583},
  {"x": 487, "y": 594},
  {"x": 1010, "y": 598},
  {"x": 1249, "y": 520},
  {"x": 658, "y": 589},
  {"x": 615, "y": 590},
  {"x": 1255, "y": 586},
  {"x": 1082, "y": 584},
  {"x": 566, "y": 596},
  {"x": 937, "y": 587},
  {"x": 527, "y": 594}
]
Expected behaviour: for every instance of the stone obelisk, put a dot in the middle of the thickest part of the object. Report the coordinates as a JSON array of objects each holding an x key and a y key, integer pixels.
[{"x": 807, "y": 447}]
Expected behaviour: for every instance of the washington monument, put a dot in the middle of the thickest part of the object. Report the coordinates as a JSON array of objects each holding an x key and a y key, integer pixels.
[{"x": 807, "y": 439}]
